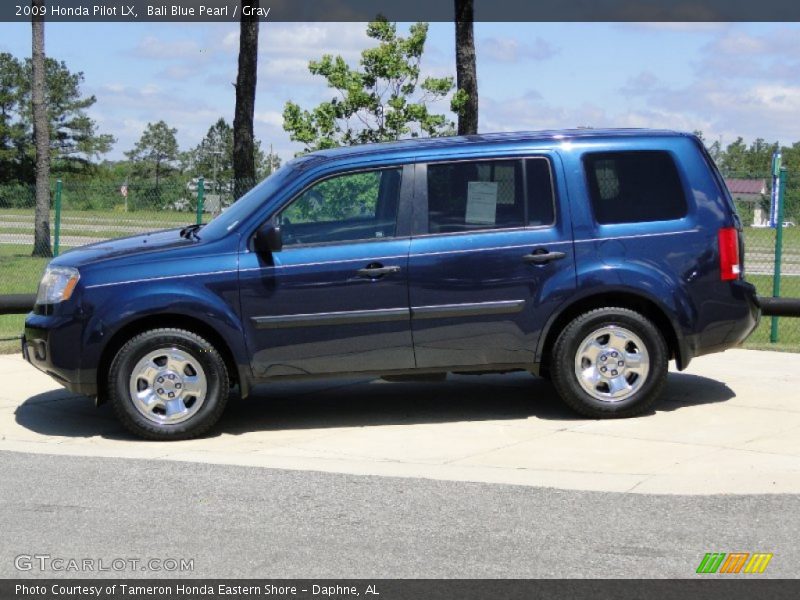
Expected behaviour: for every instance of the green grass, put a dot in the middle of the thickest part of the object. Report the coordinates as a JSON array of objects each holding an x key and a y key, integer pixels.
[
  {"x": 157, "y": 216},
  {"x": 19, "y": 274},
  {"x": 788, "y": 328},
  {"x": 79, "y": 231},
  {"x": 764, "y": 238}
]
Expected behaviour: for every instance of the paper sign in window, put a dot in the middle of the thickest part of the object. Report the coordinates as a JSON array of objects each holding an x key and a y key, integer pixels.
[{"x": 481, "y": 203}]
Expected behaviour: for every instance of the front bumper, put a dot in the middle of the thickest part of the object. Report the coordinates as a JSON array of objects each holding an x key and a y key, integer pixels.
[{"x": 52, "y": 345}]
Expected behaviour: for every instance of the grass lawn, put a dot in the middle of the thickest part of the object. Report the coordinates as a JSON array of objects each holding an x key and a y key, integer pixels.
[
  {"x": 137, "y": 217},
  {"x": 764, "y": 238},
  {"x": 19, "y": 274}
]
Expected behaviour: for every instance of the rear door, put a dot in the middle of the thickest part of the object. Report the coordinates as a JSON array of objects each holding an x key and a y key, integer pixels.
[{"x": 491, "y": 258}]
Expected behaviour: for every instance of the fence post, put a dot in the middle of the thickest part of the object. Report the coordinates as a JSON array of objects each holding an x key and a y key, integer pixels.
[
  {"x": 201, "y": 185},
  {"x": 776, "y": 274},
  {"x": 57, "y": 239}
]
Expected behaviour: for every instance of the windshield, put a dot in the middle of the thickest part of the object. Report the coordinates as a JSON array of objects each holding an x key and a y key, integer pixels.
[{"x": 240, "y": 210}]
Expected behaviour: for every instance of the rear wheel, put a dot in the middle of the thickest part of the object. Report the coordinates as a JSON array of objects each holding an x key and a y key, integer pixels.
[
  {"x": 610, "y": 362},
  {"x": 168, "y": 384}
]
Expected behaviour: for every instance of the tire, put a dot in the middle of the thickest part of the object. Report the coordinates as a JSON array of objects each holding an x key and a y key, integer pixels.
[
  {"x": 594, "y": 363},
  {"x": 160, "y": 362}
]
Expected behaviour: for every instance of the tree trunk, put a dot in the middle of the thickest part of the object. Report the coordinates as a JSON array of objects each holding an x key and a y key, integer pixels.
[
  {"x": 41, "y": 134},
  {"x": 244, "y": 164},
  {"x": 466, "y": 74}
]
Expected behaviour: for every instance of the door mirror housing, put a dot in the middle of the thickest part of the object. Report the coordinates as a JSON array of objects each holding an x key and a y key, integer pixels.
[{"x": 268, "y": 239}]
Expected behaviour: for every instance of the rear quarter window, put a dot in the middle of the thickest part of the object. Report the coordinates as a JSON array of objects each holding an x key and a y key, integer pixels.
[{"x": 634, "y": 187}]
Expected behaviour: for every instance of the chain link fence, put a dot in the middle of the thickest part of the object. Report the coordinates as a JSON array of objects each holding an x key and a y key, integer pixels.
[
  {"x": 751, "y": 193},
  {"x": 84, "y": 213}
]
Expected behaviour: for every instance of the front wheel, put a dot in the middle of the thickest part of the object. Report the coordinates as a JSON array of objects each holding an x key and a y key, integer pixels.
[
  {"x": 610, "y": 362},
  {"x": 168, "y": 384}
]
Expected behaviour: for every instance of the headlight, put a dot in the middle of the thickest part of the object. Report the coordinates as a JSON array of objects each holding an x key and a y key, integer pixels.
[{"x": 57, "y": 285}]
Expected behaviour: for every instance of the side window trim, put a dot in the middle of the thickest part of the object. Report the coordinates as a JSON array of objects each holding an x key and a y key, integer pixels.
[
  {"x": 420, "y": 224},
  {"x": 402, "y": 218}
]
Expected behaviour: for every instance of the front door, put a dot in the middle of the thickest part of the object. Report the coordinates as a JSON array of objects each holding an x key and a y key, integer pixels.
[
  {"x": 491, "y": 264},
  {"x": 335, "y": 298}
]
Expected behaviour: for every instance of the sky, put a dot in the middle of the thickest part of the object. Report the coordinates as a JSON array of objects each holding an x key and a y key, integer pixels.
[{"x": 728, "y": 80}]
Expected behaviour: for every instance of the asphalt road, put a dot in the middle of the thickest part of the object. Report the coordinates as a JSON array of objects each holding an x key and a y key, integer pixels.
[{"x": 244, "y": 522}]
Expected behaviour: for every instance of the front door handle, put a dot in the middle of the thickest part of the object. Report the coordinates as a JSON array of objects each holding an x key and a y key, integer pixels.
[
  {"x": 542, "y": 256},
  {"x": 376, "y": 270}
]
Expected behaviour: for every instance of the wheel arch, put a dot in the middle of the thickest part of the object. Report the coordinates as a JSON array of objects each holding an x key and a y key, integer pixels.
[
  {"x": 645, "y": 306},
  {"x": 171, "y": 321}
]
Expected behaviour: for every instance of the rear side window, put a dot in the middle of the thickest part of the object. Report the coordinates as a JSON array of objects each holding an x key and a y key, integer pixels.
[
  {"x": 490, "y": 194},
  {"x": 634, "y": 187}
]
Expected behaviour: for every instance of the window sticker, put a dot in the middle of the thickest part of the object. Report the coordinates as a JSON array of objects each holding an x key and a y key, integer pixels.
[{"x": 481, "y": 203}]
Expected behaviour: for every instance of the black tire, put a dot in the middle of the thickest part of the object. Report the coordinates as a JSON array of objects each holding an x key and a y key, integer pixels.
[
  {"x": 565, "y": 380},
  {"x": 213, "y": 366}
]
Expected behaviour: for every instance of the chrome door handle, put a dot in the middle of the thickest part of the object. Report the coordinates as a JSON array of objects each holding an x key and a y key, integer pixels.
[
  {"x": 376, "y": 270},
  {"x": 542, "y": 257}
]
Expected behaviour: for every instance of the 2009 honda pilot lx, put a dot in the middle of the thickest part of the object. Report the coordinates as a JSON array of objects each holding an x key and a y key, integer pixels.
[{"x": 589, "y": 257}]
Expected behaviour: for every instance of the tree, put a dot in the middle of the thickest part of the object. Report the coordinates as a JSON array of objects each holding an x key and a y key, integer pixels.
[
  {"x": 268, "y": 164},
  {"x": 739, "y": 159},
  {"x": 41, "y": 133},
  {"x": 377, "y": 101},
  {"x": 12, "y": 133},
  {"x": 244, "y": 160},
  {"x": 156, "y": 151},
  {"x": 74, "y": 140},
  {"x": 465, "y": 101},
  {"x": 213, "y": 157}
]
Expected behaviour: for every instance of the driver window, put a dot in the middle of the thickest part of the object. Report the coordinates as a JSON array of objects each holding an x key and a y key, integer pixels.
[{"x": 354, "y": 206}]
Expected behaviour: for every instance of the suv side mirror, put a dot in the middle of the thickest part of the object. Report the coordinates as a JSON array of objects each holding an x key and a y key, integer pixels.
[{"x": 268, "y": 239}]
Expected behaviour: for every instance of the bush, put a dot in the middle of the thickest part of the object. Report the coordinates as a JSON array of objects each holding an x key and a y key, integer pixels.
[{"x": 17, "y": 195}]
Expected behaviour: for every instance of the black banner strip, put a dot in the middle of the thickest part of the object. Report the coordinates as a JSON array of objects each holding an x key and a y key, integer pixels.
[
  {"x": 407, "y": 10},
  {"x": 730, "y": 588}
]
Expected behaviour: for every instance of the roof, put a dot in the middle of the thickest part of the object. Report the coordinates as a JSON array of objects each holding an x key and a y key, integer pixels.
[
  {"x": 560, "y": 135},
  {"x": 753, "y": 187}
]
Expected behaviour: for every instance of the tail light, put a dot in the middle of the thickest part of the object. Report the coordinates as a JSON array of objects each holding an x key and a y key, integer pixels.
[{"x": 729, "y": 266}]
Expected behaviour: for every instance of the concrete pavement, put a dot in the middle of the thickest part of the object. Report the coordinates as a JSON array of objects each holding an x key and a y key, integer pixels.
[{"x": 730, "y": 424}]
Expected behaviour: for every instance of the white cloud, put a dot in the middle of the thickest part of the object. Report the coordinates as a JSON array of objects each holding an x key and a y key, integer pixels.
[
  {"x": 512, "y": 50},
  {"x": 287, "y": 70},
  {"x": 157, "y": 48},
  {"x": 311, "y": 40},
  {"x": 532, "y": 111},
  {"x": 643, "y": 83},
  {"x": 269, "y": 117}
]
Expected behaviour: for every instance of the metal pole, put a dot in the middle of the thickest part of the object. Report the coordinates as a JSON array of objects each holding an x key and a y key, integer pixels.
[
  {"x": 57, "y": 239},
  {"x": 200, "y": 194},
  {"x": 776, "y": 277}
]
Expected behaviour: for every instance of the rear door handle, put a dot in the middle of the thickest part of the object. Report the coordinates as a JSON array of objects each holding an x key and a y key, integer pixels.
[
  {"x": 377, "y": 270},
  {"x": 541, "y": 257}
]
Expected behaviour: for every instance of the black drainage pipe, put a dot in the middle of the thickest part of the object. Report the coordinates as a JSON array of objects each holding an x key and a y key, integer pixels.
[
  {"x": 779, "y": 307},
  {"x": 16, "y": 304}
]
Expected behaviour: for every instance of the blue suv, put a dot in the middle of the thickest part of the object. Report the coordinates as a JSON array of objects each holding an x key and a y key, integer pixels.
[{"x": 588, "y": 257}]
